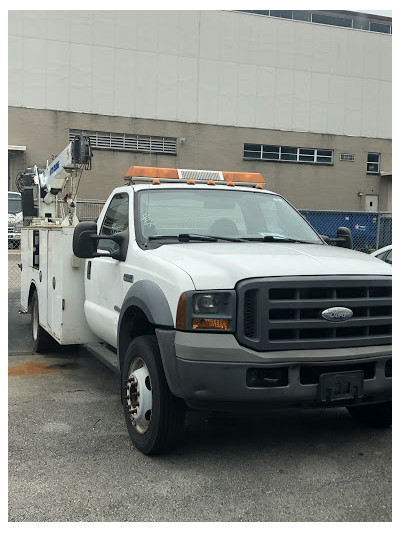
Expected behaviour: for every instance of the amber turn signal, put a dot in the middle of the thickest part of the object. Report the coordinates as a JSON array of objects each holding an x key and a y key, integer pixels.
[
  {"x": 181, "y": 313},
  {"x": 210, "y": 323}
]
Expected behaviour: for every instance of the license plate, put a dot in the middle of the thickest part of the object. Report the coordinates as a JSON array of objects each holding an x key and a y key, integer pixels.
[{"x": 341, "y": 386}]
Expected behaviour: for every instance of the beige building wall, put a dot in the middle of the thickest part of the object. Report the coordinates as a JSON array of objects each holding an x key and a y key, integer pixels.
[
  {"x": 209, "y": 67},
  {"x": 340, "y": 186}
]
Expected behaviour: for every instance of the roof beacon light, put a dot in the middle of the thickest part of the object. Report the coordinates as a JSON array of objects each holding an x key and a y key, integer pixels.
[{"x": 137, "y": 173}]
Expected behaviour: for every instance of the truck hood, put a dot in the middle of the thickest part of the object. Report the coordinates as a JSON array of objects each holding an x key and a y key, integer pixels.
[{"x": 222, "y": 265}]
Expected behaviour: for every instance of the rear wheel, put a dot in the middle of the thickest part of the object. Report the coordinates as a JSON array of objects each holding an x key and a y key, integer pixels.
[
  {"x": 154, "y": 417},
  {"x": 42, "y": 341},
  {"x": 376, "y": 415}
]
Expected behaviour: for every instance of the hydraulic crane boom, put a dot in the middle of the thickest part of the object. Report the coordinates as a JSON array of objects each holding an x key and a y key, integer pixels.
[{"x": 49, "y": 182}]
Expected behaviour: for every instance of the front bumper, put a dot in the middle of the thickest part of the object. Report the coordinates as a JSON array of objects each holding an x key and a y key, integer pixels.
[{"x": 213, "y": 371}]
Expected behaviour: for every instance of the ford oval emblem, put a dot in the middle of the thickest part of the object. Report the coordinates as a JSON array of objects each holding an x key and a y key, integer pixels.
[{"x": 337, "y": 314}]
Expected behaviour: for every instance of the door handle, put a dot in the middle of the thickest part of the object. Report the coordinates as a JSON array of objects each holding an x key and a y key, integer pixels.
[{"x": 89, "y": 269}]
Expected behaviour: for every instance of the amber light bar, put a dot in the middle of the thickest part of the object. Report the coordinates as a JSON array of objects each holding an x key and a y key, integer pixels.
[
  {"x": 173, "y": 173},
  {"x": 151, "y": 172}
]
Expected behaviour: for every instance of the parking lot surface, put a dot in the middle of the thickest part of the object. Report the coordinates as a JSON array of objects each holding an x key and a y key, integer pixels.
[{"x": 70, "y": 457}]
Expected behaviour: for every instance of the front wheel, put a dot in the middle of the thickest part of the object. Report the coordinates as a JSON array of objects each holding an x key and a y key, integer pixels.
[
  {"x": 377, "y": 415},
  {"x": 154, "y": 417}
]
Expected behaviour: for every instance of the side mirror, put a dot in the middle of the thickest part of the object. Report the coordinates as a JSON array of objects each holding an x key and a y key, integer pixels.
[
  {"x": 344, "y": 238},
  {"x": 85, "y": 240}
]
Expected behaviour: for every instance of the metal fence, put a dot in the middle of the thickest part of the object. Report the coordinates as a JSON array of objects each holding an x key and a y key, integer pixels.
[
  {"x": 370, "y": 230},
  {"x": 85, "y": 209}
]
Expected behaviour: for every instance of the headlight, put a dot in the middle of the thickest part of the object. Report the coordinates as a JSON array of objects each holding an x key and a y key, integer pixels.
[
  {"x": 204, "y": 304},
  {"x": 207, "y": 310}
]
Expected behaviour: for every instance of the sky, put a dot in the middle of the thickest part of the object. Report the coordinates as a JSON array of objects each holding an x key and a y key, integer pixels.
[{"x": 383, "y": 13}]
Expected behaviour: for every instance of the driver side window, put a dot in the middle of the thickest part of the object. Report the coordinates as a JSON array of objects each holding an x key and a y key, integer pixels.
[{"x": 115, "y": 220}]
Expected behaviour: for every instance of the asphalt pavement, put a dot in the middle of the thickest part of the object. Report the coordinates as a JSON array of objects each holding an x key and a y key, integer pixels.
[{"x": 71, "y": 460}]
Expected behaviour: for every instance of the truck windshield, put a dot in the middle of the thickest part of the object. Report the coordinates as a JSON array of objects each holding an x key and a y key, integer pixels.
[
  {"x": 231, "y": 214},
  {"x": 14, "y": 205}
]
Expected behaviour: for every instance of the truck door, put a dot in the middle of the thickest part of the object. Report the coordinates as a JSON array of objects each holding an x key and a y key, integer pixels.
[{"x": 103, "y": 277}]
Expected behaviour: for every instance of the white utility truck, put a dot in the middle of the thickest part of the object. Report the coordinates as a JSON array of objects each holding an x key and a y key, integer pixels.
[{"x": 206, "y": 291}]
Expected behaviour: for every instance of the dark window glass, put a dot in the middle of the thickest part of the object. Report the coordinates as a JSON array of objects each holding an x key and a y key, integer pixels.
[
  {"x": 289, "y": 153},
  {"x": 373, "y": 167},
  {"x": 268, "y": 148},
  {"x": 252, "y": 155},
  {"x": 14, "y": 205},
  {"x": 253, "y": 147},
  {"x": 289, "y": 157},
  {"x": 373, "y": 163},
  {"x": 281, "y": 13},
  {"x": 270, "y": 155},
  {"x": 382, "y": 28},
  {"x": 115, "y": 220},
  {"x": 332, "y": 21},
  {"x": 389, "y": 258},
  {"x": 302, "y": 15},
  {"x": 361, "y": 24},
  {"x": 289, "y": 149}
]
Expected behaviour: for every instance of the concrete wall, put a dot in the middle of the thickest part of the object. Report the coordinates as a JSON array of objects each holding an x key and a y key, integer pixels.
[
  {"x": 45, "y": 133},
  {"x": 203, "y": 67}
]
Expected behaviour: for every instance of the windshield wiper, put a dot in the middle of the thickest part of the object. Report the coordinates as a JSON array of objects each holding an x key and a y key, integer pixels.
[
  {"x": 273, "y": 238},
  {"x": 186, "y": 237}
]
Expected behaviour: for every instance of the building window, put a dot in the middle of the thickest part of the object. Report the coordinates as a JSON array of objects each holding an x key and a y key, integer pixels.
[
  {"x": 266, "y": 152},
  {"x": 128, "y": 142},
  {"x": 359, "y": 21},
  {"x": 373, "y": 163}
]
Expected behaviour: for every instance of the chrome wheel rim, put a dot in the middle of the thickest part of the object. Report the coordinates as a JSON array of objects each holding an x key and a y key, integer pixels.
[{"x": 139, "y": 396}]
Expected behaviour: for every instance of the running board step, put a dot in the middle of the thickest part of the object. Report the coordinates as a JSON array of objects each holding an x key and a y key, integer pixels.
[{"x": 106, "y": 356}]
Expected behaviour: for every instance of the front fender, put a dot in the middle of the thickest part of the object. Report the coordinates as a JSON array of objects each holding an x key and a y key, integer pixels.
[{"x": 149, "y": 297}]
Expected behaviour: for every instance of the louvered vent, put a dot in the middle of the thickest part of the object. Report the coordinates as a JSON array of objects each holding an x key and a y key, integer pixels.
[
  {"x": 347, "y": 157},
  {"x": 129, "y": 142},
  {"x": 186, "y": 174}
]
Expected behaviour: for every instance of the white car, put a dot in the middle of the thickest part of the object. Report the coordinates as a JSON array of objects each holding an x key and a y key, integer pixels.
[
  {"x": 385, "y": 254},
  {"x": 14, "y": 219}
]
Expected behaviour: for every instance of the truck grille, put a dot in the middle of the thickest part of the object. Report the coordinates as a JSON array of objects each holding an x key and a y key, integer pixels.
[{"x": 286, "y": 313}]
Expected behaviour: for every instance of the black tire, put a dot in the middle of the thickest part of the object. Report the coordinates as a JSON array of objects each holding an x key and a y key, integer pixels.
[
  {"x": 42, "y": 341},
  {"x": 154, "y": 417},
  {"x": 377, "y": 415}
]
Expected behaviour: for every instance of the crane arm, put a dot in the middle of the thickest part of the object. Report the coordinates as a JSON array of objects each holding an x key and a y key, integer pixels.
[{"x": 76, "y": 155}]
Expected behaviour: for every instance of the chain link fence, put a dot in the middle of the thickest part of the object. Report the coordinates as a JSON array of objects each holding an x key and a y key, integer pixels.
[
  {"x": 370, "y": 230},
  {"x": 85, "y": 209}
]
